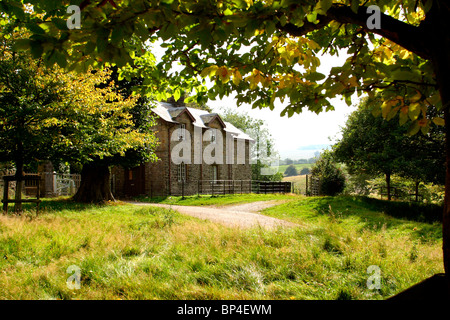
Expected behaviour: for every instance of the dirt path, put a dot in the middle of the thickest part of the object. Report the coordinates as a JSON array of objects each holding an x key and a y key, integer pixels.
[{"x": 242, "y": 215}]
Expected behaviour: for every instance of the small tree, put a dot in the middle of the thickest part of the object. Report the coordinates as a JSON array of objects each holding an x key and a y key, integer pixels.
[
  {"x": 305, "y": 171},
  {"x": 290, "y": 171},
  {"x": 332, "y": 179}
]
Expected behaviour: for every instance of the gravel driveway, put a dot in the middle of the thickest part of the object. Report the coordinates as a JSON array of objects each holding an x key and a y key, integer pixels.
[{"x": 242, "y": 215}]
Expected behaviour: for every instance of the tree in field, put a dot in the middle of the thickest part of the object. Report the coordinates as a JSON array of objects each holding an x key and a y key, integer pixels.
[
  {"x": 291, "y": 171},
  {"x": 305, "y": 171},
  {"x": 332, "y": 179},
  {"x": 374, "y": 146},
  {"x": 49, "y": 114},
  {"x": 266, "y": 51}
]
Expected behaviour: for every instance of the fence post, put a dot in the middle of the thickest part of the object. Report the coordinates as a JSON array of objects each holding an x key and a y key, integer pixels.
[
  {"x": 182, "y": 189},
  {"x": 5, "y": 195},
  {"x": 306, "y": 190}
]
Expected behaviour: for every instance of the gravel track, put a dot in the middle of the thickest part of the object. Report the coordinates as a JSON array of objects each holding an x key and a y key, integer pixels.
[{"x": 241, "y": 215}]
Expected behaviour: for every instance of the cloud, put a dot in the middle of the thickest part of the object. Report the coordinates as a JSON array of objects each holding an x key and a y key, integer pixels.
[{"x": 313, "y": 147}]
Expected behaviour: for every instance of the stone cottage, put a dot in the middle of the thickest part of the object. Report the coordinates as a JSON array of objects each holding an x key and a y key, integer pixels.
[{"x": 195, "y": 148}]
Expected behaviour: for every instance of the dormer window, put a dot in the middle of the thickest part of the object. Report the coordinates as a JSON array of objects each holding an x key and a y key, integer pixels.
[
  {"x": 182, "y": 132},
  {"x": 213, "y": 135}
]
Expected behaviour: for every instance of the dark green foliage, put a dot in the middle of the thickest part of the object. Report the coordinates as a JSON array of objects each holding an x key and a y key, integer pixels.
[
  {"x": 291, "y": 171},
  {"x": 332, "y": 179},
  {"x": 305, "y": 171}
]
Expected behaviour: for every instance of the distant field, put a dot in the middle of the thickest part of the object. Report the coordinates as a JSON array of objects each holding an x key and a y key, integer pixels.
[
  {"x": 299, "y": 183},
  {"x": 299, "y": 167}
]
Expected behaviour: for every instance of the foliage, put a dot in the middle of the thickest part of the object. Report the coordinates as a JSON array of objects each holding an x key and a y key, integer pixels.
[
  {"x": 358, "y": 184},
  {"x": 48, "y": 113},
  {"x": 305, "y": 171},
  {"x": 291, "y": 171},
  {"x": 428, "y": 192},
  {"x": 371, "y": 146},
  {"x": 332, "y": 179},
  {"x": 263, "y": 50}
]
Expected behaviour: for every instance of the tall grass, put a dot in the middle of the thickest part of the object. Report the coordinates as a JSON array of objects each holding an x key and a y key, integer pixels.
[{"x": 129, "y": 252}]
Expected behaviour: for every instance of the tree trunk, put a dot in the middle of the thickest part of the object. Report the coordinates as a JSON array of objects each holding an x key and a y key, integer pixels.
[
  {"x": 388, "y": 185},
  {"x": 417, "y": 191},
  {"x": 19, "y": 186},
  {"x": 95, "y": 185},
  {"x": 439, "y": 24}
]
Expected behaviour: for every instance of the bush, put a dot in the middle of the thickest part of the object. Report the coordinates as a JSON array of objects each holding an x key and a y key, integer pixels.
[
  {"x": 291, "y": 171},
  {"x": 358, "y": 184},
  {"x": 332, "y": 179},
  {"x": 305, "y": 171}
]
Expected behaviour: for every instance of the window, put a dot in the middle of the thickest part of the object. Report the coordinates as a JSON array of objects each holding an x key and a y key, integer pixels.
[
  {"x": 182, "y": 132},
  {"x": 181, "y": 172},
  {"x": 213, "y": 135},
  {"x": 214, "y": 173}
]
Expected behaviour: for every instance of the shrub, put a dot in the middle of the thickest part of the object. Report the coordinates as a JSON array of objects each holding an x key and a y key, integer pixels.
[
  {"x": 305, "y": 171},
  {"x": 291, "y": 171},
  {"x": 332, "y": 179}
]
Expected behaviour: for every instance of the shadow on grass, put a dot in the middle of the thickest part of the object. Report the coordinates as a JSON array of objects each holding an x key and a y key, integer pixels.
[
  {"x": 410, "y": 211},
  {"x": 375, "y": 212},
  {"x": 59, "y": 204}
]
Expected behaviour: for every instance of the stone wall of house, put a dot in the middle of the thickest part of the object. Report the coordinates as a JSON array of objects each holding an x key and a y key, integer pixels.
[{"x": 161, "y": 177}]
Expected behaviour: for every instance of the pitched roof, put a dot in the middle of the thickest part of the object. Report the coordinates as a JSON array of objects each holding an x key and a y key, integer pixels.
[{"x": 201, "y": 118}]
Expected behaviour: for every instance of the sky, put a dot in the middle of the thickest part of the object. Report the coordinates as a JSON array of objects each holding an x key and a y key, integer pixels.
[{"x": 303, "y": 134}]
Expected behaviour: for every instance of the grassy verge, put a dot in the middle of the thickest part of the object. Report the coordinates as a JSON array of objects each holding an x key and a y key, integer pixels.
[
  {"x": 219, "y": 200},
  {"x": 129, "y": 252}
]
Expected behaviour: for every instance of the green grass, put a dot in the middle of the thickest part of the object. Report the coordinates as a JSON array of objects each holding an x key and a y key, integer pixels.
[
  {"x": 218, "y": 200},
  {"x": 131, "y": 252}
]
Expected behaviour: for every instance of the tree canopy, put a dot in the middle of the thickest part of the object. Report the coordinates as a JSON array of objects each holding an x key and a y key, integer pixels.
[
  {"x": 374, "y": 146},
  {"x": 263, "y": 50},
  {"x": 47, "y": 113}
]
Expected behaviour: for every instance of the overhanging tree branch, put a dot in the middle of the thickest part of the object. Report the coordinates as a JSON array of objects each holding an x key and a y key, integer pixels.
[{"x": 408, "y": 36}]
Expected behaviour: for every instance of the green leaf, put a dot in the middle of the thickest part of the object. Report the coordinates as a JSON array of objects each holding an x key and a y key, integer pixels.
[
  {"x": 315, "y": 76},
  {"x": 414, "y": 111},
  {"x": 439, "y": 121},
  {"x": 312, "y": 17},
  {"x": 61, "y": 24},
  {"x": 177, "y": 94},
  {"x": 36, "y": 49},
  {"x": 354, "y": 6},
  {"x": 33, "y": 27},
  {"x": 323, "y": 6},
  {"x": 205, "y": 37},
  {"x": 22, "y": 44},
  {"x": 403, "y": 117},
  {"x": 413, "y": 128}
]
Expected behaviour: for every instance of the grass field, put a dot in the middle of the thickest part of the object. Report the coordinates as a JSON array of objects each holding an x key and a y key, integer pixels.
[
  {"x": 299, "y": 183},
  {"x": 221, "y": 200},
  {"x": 128, "y": 252}
]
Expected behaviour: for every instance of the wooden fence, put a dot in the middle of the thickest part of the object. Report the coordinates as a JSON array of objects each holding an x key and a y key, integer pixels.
[
  {"x": 51, "y": 184},
  {"x": 215, "y": 187}
]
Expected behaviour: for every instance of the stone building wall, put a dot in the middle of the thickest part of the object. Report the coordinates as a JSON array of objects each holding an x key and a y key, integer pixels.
[{"x": 161, "y": 177}]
